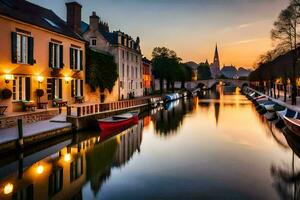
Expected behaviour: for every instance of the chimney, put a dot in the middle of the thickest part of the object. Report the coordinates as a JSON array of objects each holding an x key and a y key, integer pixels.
[
  {"x": 94, "y": 22},
  {"x": 74, "y": 16}
]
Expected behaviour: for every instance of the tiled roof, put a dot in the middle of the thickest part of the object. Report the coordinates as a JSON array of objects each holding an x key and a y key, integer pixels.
[{"x": 36, "y": 15}]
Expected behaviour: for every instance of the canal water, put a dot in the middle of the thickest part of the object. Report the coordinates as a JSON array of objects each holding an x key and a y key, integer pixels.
[{"x": 214, "y": 146}]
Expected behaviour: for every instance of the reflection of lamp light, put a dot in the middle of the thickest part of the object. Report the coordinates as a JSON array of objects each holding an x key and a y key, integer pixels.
[
  {"x": 67, "y": 79},
  {"x": 40, "y": 79},
  {"x": 8, "y": 188},
  {"x": 67, "y": 157},
  {"x": 8, "y": 77},
  {"x": 40, "y": 169}
]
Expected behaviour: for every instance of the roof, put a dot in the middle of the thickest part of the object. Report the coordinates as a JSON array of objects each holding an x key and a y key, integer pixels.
[{"x": 36, "y": 15}]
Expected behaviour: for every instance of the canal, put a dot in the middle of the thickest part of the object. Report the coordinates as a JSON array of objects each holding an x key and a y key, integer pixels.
[{"x": 214, "y": 146}]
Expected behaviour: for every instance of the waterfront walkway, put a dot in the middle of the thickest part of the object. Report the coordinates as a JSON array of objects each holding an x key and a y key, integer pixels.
[{"x": 35, "y": 129}]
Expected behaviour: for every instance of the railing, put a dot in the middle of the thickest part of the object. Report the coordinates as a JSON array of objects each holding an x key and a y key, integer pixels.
[{"x": 85, "y": 109}]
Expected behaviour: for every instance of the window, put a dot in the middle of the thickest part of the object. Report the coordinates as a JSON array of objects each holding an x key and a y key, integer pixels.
[
  {"x": 21, "y": 88},
  {"x": 94, "y": 42},
  {"x": 77, "y": 88},
  {"x": 51, "y": 23},
  {"x": 136, "y": 58},
  {"x": 127, "y": 72},
  {"x": 136, "y": 72},
  {"x": 127, "y": 55},
  {"x": 76, "y": 168},
  {"x": 123, "y": 54},
  {"x": 54, "y": 88},
  {"x": 123, "y": 70},
  {"x": 55, "y": 55},
  {"x": 76, "y": 59},
  {"x": 55, "y": 181},
  {"x": 22, "y": 48}
]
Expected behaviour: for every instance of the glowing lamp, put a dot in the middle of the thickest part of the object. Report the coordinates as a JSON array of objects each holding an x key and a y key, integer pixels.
[
  {"x": 40, "y": 79},
  {"x": 67, "y": 79},
  {"x": 67, "y": 157},
  {"x": 8, "y": 188},
  {"x": 8, "y": 77},
  {"x": 40, "y": 169}
]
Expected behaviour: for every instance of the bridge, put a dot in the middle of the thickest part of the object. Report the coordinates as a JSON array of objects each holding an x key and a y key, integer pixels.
[{"x": 212, "y": 82}]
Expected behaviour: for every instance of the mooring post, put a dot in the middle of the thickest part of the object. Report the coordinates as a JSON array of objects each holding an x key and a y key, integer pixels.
[{"x": 20, "y": 132}]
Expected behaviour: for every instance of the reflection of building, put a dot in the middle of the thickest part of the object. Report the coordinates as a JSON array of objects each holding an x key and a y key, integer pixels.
[
  {"x": 61, "y": 175},
  {"x": 126, "y": 51},
  {"x": 215, "y": 66},
  {"x": 130, "y": 142}
]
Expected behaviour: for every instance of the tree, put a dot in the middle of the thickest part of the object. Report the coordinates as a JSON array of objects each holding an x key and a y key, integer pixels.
[
  {"x": 165, "y": 66},
  {"x": 204, "y": 71},
  {"x": 286, "y": 35},
  {"x": 101, "y": 70}
]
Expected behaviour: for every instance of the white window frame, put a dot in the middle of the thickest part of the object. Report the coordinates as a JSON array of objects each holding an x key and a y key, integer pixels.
[
  {"x": 17, "y": 89},
  {"x": 76, "y": 53},
  {"x": 22, "y": 48},
  {"x": 56, "y": 61}
]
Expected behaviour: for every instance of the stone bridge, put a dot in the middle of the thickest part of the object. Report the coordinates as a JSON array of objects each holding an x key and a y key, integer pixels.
[{"x": 212, "y": 82}]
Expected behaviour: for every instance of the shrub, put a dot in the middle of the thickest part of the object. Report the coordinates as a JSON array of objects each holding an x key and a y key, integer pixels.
[
  {"x": 40, "y": 92},
  {"x": 6, "y": 93}
]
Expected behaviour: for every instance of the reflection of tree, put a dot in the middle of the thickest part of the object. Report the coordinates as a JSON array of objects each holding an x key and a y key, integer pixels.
[
  {"x": 166, "y": 122},
  {"x": 217, "y": 112},
  {"x": 98, "y": 163}
]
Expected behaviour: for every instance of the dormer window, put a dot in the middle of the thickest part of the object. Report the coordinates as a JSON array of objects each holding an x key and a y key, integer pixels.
[{"x": 93, "y": 42}]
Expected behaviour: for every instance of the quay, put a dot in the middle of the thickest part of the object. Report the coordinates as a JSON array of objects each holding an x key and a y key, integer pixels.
[
  {"x": 291, "y": 107},
  {"x": 78, "y": 117}
]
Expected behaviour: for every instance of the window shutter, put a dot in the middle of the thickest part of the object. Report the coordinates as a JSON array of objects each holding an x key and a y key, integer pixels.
[
  {"x": 81, "y": 87},
  {"x": 61, "y": 56},
  {"x": 71, "y": 58},
  {"x": 72, "y": 88},
  {"x": 30, "y": 51},
  {"x": 27, "y": 88},
  {"x": 50, "y": 54},
  {"x": 53, "y": 88},
  {"x": 81, "y": 63},
  {"x": 76, "y": 60},
  {"x": 60, "y": 88},
  {"x": 14, "y": 47},
  {"x": 76, "y": 87}
]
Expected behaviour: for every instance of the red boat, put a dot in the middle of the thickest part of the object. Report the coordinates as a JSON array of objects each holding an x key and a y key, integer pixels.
[
  {"x": 117, "y": 121},
  {"x": 292, "y": 124}
]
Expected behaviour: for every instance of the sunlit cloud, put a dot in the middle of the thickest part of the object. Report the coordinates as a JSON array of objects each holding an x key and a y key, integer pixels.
[{"x": 246, "y": 41}]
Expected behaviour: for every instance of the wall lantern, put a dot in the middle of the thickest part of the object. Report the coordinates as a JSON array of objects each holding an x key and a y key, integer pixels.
[
  {"x": 40, "y": 79},
  {"x": 8, "y": 188},
  {"x": 67, "y": 157},
  {"x": 8, "y": 77},
  {"x": 40, "y": 169},
  {"x": 67, "y": 79}
]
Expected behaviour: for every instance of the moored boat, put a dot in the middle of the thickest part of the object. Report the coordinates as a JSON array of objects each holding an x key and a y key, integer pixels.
[
  {"x": 293, "y": 124},
  {"x": 118, "y": 121}
]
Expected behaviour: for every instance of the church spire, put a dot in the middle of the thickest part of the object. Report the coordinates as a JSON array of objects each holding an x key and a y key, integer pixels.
[{"x": 216, "y": 57}]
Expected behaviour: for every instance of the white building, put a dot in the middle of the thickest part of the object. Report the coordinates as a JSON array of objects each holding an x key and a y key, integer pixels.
[{"x": 127, "y": 54}]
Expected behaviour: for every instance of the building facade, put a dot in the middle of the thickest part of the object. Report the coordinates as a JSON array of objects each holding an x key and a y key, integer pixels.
[
  {"x": 147, "y": 76},
  {"x": 126, "y": 52},
  {"x": 39, "y": 51}
]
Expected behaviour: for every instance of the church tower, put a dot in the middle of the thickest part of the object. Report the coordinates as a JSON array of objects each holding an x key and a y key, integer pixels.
[{"x": 215, "y": 66}]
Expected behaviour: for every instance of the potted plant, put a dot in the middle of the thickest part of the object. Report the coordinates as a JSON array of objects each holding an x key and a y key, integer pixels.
[
  {"x": 40, "y": 92},
  {"x": 6, "y": 93}
]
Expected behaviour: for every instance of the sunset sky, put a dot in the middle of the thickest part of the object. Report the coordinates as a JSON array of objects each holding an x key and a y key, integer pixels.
[{"x": 190, "y": 27}]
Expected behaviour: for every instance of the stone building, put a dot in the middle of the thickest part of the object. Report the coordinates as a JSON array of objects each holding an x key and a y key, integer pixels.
[{"x": 126, "y": 52}]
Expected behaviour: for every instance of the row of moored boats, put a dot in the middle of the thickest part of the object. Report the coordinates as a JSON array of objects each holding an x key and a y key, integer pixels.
[{"x": 280, "y": 115}]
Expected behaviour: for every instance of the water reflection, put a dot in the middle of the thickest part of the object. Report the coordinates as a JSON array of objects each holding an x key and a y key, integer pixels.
[
  {"x": 63, "y": 173},
  {"x": 220, "y": 149},
  {"x": 168, "y": 120}
]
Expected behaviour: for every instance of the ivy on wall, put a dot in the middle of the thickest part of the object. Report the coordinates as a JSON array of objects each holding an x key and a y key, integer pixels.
[{"x": 101, "y": 70}]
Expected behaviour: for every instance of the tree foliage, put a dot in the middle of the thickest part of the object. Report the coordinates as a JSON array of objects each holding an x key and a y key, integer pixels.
[
  {"x": 101, "y": 70},
  {"x": 204, "y": 72},
  {"x": 167, "y": 66}
]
